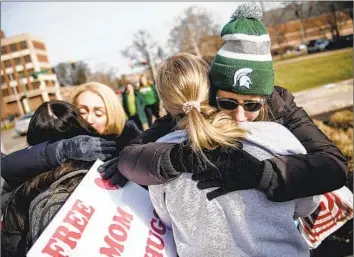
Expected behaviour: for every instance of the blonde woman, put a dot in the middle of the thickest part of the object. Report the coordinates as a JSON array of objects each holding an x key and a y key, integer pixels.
[
  {"x": 243, "y": 223},
  {"x": 100, "y": 107}
]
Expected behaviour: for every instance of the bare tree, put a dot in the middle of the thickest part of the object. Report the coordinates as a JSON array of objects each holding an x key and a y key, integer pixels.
[
  {"x": 301, "y": 13},
  {"x": 191, "y": 27},
  {"x": 346, "y": 7},
  {"x": 108, "y": 77},
  {"x": 75, "y": 73},
  {"x": 335, "y": 17},
  {"x": 143, "y": 51}
]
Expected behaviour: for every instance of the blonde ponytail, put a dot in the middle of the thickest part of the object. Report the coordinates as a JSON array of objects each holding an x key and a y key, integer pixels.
[{"x": 183, "y": 79}]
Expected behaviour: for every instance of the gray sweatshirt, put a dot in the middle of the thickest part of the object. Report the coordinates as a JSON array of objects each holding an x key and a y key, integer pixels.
[{"x": 242, "y": 223}]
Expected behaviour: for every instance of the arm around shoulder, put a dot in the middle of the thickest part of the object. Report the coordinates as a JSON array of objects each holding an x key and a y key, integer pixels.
[{"x": 321, "y": 170}]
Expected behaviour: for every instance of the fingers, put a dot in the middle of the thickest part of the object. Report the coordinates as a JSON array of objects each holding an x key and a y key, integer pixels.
[
  {"x": 118, "y": 179},
  {"x": 205, "y": 184},
  {"x": 216, "y": 193},
  {"x": 199, "y": 176},
  {"x": 107, "y": 149},
  {"x": 109, "y": 172},
  {"x": 105, "y": 143},
  {"x": 208, "y": 174}
]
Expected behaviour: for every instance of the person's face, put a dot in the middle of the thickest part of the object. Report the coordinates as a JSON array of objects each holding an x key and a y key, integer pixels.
[
  {"x": 93, "y": 110},
  {"x": 129, "y": 88},
  {"x": 240, "y": 114},
  {"x": 143, "y": 80}
]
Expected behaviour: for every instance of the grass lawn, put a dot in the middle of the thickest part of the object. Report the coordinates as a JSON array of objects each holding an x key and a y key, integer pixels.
[{"x": 314, "y": 70}]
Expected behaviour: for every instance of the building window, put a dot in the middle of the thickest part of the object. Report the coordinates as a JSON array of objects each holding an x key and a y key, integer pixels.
[
  {"x": 30, "y": 72},
  {"x": 38, "y": 45},
  {"x": 49, "y": 83},
  {"x": 5, "y": 92},
  {"x": 42, "y": 58},
  {"x": 17, "y": 61},
  {"x": 36, "y": 85},
  {"x": 23, "y": 45},
  {"x": 3, "y": 50},
  {"x": 7, "y": 64},
  {"x": 28, "y": 59},
  {"x": 13, "y": 48},
  {"x": 21, "y": 74}
]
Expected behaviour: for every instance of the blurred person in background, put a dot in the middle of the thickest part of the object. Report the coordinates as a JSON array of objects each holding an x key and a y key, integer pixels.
[
  {"x": 151, "y": 98},
  {"x": 134, "y": 106}
]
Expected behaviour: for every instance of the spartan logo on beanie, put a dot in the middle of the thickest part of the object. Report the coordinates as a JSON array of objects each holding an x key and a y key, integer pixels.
[
  {"x": 241, "y": 79},
  {"x": 244, "y": 63}
]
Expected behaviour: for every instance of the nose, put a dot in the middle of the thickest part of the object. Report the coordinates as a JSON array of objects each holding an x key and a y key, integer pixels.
[
  {"x": 239, "y": 114},
  {"x": 90, "y": 118}
]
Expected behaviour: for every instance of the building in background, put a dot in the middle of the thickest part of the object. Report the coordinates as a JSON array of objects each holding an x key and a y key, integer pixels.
[
  {"x": 27, "y": 78},
  {"x": 301, "y": 22}
]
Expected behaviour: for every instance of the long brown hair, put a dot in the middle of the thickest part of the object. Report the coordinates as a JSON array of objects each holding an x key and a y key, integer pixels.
[{"x": 184, "y": 78}]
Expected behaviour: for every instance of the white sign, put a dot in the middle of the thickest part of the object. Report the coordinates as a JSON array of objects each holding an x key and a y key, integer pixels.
[{"x": 103, "y": 220}]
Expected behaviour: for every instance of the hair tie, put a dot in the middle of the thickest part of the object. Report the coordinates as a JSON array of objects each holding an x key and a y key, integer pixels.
[{"x": 188, "y": 106}]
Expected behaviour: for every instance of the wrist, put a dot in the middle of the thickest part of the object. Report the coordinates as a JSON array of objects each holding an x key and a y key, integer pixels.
[
  {"x": 269, "y": 179},
  {"x": 57, "y": 152}
]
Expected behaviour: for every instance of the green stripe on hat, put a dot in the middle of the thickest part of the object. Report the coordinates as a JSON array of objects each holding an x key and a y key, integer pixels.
[{"x": 244, "y": 26}]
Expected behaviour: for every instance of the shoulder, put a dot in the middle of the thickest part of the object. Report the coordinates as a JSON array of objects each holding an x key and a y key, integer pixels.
[
  {"x": 284, "y": 94},
  {"x": 280, "y": 101},
  {"x": 130, "y": 130}
]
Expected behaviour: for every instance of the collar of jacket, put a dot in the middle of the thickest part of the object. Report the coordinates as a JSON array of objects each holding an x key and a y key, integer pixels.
[{"x": 277, "y": 103}]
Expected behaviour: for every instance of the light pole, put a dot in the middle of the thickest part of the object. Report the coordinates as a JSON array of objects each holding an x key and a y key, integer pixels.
[
  {"x": 18, "y": 101},
  {"x": 25, "y": 99}
]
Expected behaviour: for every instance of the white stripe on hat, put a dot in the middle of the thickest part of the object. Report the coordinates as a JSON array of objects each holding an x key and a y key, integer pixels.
[
  {"x": 240, "y": 36},
  {"x": 249, "y": 57}
]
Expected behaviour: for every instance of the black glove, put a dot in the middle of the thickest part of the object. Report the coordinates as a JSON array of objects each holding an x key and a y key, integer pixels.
[
  {"x": 234, "y": 170},
  {"x": 84, "y": 148},
  {"x": 110, "y": 172}
]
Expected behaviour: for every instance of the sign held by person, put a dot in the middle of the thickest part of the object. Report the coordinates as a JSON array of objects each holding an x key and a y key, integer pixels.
[{"x": 99, "y": 219}]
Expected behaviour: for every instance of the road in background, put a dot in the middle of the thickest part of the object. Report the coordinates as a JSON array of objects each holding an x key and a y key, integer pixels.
[{"x": 326, "y": 98}]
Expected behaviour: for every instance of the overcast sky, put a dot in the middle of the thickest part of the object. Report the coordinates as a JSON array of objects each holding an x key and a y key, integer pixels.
[{"x": 96, "y": 32}]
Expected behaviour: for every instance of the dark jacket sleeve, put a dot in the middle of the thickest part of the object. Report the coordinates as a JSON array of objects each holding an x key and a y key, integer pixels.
[
  {"x": 19, "y": 166},
  {"x": 321, "y": 170},
  {"x": 140, "y": 161}
]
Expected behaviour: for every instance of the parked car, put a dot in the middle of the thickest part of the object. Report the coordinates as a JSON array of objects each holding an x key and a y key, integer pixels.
[
  {"x": 318, "y": 45},
  {"x": 301, "y": 48},
  {"x": 21, "y": 125},
  {"x": 341, "y": 42}
]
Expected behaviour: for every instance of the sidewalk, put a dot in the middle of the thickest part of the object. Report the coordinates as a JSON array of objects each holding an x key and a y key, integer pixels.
[{"x": 326, "y": 98}]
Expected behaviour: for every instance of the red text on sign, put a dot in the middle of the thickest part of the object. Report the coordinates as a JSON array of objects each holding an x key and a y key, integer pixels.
[
  {"x": 118, "y": 234},
  {"x": 155, "y": 244},
  {"x": 69, "y": 233}
]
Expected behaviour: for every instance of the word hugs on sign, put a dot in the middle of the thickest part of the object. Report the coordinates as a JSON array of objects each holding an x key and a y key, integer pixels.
[{"x": 155, "y": 244}]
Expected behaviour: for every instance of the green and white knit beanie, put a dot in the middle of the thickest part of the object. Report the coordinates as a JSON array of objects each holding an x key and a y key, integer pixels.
[{"x": 244, "y": 63}]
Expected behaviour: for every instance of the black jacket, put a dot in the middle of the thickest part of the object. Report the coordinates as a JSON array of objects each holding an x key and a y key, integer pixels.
[
  {"x": 321, "y": 170},
  {"x": 19, "y": 166}
]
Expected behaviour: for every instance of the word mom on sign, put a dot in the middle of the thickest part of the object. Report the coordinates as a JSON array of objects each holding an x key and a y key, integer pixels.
[{"x": 103, "y": 220}]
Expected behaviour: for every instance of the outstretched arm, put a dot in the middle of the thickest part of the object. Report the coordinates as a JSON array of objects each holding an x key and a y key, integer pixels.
[{"x": 19, "y": 166}]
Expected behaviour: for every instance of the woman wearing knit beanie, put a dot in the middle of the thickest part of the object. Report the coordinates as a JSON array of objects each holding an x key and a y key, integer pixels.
[{"x": 242, "y": 84}]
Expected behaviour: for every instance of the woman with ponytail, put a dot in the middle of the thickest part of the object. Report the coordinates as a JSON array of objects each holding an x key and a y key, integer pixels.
[{"x": 242, "y": 223}]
